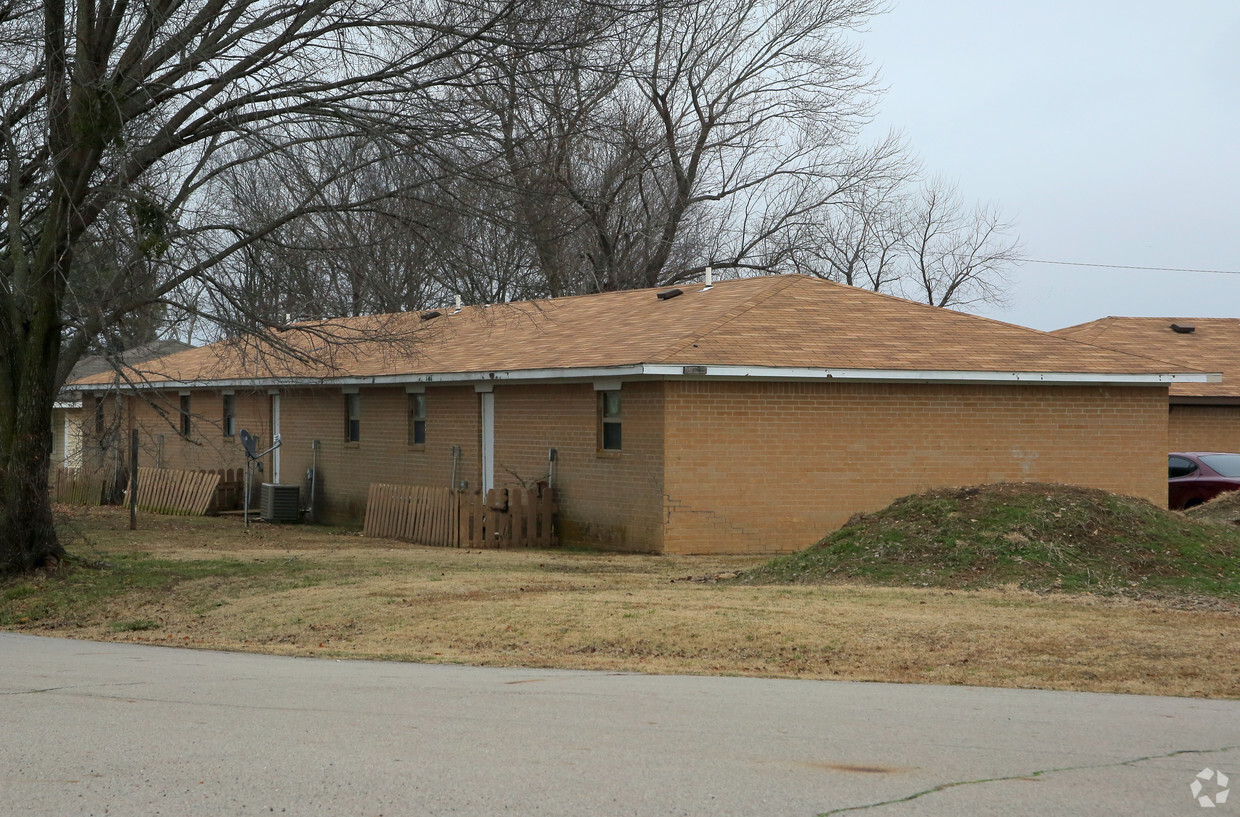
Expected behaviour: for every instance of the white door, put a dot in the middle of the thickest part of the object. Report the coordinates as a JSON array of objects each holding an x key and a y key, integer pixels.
[
  {"x": 275, "y": 435},
  {"x": 488, "y": 441}
]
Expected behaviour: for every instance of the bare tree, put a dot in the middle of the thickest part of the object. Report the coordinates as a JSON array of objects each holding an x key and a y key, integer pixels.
[
  {"x": 957, "y": 255},
  {"x": 701, "y": 134},
  {"x": 897, "y": 235},
  {"x": 117, "y": 107}
]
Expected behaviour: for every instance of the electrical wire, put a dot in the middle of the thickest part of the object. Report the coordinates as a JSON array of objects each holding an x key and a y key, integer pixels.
[{"x": 1130, "y": 266}]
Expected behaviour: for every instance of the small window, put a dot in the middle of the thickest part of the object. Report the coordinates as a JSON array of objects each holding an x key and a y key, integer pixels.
[
  {"x": 187, "y": 426},
  {"x": 609, "y": 420},
  {"x": 417, "y": 419},
  {"x": 353, "y": 417},
  {"x": 99, "y": 420},
  {"x": 230, "y": 416},
  {"x": 1180, "y": 467}
]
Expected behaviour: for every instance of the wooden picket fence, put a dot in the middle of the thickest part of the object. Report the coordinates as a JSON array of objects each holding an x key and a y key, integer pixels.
[
  {"x": 229, "y": 491},
  {"x": 413, "y": 513},
  {"x": 507, "y": 517},
  {"x": 180, "y": 493},
  {"x": 76, "y": 486}
]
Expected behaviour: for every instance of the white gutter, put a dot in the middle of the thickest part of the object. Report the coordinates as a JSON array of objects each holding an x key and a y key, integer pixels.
[{"x": 660, "y": 371}]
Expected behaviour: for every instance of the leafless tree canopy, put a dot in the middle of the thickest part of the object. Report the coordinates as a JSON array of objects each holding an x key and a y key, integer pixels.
[{"x": 918, "y": 239}]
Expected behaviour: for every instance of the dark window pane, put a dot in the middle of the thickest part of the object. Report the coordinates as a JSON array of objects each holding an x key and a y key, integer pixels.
[
  {"x": 417, "y": 419},
  {"x": 353, "y": 417},
  {"x": 1180, "y": 467},
  {"x": 611, "y": 436}
]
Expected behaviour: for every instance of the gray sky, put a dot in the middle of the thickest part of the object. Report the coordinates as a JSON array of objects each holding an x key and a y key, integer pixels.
[{"x": 1108, "y": 130}]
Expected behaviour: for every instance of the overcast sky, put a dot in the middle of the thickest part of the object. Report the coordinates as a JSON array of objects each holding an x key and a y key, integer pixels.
[{"x": 1110, "y": 131}]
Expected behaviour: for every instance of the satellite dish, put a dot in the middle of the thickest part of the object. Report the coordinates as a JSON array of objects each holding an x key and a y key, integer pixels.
[{"x": 247, "y": 440}]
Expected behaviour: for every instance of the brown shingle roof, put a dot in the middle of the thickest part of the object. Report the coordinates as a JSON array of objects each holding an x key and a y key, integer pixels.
[
  {"x": 777, "y": 321},
  {"x": 96, "y": 364},
  {"x": 1213, "y": 346}
]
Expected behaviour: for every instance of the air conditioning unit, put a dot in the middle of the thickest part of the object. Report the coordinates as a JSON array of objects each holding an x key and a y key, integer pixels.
[{"x": 280, "y": 503}]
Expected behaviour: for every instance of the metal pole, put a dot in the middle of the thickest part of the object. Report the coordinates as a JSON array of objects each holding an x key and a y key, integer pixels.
[
  {"x": 245, "y": 513},
  {"x": 133, "y": 480},
  {"x": 314, "y": 474}
]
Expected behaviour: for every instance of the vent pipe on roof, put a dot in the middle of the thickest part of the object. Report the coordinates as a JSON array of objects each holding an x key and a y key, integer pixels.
[
  {"x": 456, "y": 300},
  {"x": 1183, "y": 328},
  {"x": 709, "y": 280}
]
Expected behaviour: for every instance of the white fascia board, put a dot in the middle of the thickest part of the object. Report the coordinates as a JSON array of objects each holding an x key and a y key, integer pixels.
[
  {"x": 663, "y": 371},
  {"x": 931, "y": 376}
]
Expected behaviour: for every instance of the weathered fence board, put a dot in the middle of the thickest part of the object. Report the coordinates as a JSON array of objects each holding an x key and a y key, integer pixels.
[
  {"x": 228, "y": 494},
  {"x": 414, "y": 513},
  {"x": 507, "y": 517},
  {"x": 183, "y": 493},
  {"x": 74, "y": 486}
]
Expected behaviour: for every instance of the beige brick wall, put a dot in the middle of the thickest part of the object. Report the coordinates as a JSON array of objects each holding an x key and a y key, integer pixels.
[
  {"x": 383, "y": 454},
  {"x": 157, "y": 418},
  {"x": 774, "y": 467},
  {"x": 606, "y": 500},
  {"x": 1204, "y": 428}
]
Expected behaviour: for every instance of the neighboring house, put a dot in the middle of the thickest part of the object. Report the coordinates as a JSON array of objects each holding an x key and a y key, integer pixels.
[
  {"x": 1201, "y": 416},
  {"x": 753, "y": 416},
  {"x": 71, "y": 413}
]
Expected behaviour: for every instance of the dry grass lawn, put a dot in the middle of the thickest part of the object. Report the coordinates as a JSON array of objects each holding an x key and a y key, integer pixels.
[{"x": 313, "y": 591}]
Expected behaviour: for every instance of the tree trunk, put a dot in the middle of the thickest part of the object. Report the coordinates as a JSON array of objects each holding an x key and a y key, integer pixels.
[
  {"x": 27, "y": 532},
  {"x": 30, "y": 334}
]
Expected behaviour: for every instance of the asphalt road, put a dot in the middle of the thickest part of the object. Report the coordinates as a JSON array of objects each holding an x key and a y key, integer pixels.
[{"x": 116, "y": 729}]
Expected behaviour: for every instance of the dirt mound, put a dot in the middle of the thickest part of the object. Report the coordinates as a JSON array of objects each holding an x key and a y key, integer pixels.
[
  {"x": 1223, "y": 508},
  {"x": 1034, "y": 535}
]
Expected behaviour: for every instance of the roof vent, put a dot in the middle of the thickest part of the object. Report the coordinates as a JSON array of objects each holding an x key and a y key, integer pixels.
[
  {"x": 668, "y": 294},
  {"x": 1183, "y": 328},
  {"x": 710, "y": 281},
  {"x": 426, "y": 316}
]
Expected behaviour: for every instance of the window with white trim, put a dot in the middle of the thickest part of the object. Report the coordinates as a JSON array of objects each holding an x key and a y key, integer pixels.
[
  {"x": 609, "y": 420},
  {"x": 417, "y": 419},
  {"x": 352, "y": 417}
]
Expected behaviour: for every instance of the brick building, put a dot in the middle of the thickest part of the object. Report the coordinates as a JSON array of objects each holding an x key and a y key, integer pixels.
[
  {"x": 1201, "y": 416},
  {"x": 755, "y": 415}
]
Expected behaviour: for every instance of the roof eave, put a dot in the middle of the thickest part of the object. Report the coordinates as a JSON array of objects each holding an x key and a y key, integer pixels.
[{"x": 702, "y": 372}]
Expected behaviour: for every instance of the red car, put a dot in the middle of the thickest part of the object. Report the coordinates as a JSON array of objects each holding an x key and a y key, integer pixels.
[{"x": 1198, "y": 477}]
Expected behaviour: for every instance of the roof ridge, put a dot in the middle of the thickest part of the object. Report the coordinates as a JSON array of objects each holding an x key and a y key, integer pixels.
[
  {"x": 1180, "y": 366},
  {"x": 777, "y": 286},
  {"x": 1088, "y": 329}
]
